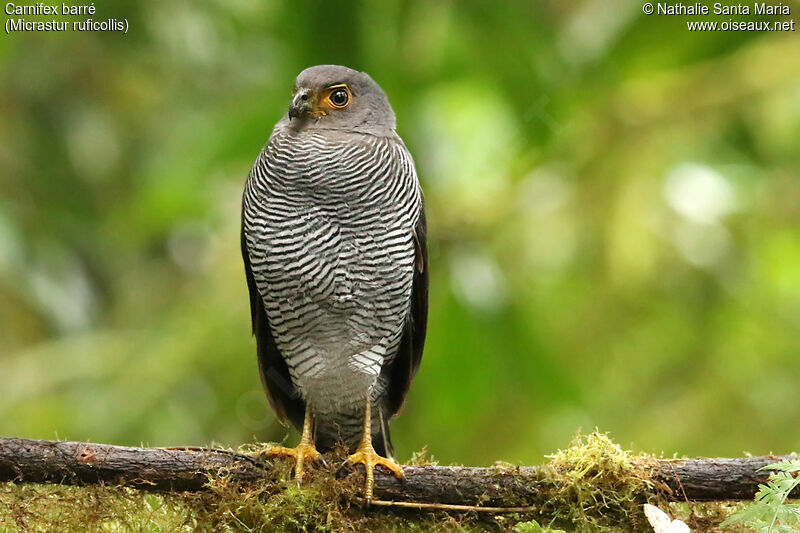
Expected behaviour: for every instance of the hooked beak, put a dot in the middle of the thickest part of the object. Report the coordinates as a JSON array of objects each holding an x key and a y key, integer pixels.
[{"x": 301, "y": 104}]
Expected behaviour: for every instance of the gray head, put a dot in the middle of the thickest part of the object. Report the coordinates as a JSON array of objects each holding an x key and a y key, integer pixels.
[{"x": 332, "y": 97}]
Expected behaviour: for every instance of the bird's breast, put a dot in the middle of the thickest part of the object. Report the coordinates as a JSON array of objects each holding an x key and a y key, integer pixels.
[{"x": 330, "y": 235}]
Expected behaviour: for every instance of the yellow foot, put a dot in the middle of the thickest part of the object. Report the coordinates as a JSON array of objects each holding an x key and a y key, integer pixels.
[
  {"x": 366, "y": 455},
  {"x": 300, "y": 453}
]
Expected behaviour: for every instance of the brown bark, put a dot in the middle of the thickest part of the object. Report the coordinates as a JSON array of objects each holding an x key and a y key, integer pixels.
[{"x": 188, "y": 469}]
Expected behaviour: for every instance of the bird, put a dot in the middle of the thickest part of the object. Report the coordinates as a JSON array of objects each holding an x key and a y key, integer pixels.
[{"x": 334, "y": 243}]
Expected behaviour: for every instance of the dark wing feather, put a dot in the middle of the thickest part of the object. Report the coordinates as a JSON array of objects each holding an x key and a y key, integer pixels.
[
  {"x": 405, "y": 364},
  {"x": 283, "y": 396}
]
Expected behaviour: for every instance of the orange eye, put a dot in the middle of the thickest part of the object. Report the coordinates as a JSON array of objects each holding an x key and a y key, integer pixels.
[{"x": 339, "y": 97}]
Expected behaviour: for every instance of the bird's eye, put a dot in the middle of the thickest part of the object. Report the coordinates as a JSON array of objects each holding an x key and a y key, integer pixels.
[{"x": 339, "y": 97}]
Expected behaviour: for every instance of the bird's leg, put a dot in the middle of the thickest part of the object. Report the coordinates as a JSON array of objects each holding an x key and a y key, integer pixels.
[
  {"x": 305, "y": 449},
  {"x": 366, "y": 455}
]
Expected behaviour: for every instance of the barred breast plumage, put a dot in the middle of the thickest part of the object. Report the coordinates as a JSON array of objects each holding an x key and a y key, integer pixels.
[{"x": 331, "y": 224}]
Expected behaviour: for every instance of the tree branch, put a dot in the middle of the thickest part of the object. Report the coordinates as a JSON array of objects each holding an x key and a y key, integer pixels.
[{"x": 189, "y": 469}]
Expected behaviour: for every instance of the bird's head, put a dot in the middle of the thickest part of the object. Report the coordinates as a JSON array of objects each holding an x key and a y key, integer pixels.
[{"x": 339, "y": 98}]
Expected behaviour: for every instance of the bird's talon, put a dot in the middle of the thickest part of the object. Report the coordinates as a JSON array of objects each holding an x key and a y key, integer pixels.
[
  {"x": 366, "y": 455},
  {"x": 302, "y": 452}
]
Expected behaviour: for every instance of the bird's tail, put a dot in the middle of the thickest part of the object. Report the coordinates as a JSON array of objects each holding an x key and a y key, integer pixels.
[
  {"x": 381, "y": 439},
  {"x": 348, "y": 428}
]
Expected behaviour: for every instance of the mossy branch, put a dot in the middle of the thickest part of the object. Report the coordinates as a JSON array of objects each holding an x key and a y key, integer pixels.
[{"x": 190, "y": 469}]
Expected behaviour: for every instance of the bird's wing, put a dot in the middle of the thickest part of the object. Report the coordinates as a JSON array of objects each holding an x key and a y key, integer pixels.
[
  {"x": 283, "y": 396},
  {"x": 404, "y": 365}
]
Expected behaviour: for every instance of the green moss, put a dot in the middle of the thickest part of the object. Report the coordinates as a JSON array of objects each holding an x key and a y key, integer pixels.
[
  {"x": 595, "y": 485},
  {"x": 422, "y": 458},
  {"x": 533, "y": 526},
  {"x": 30, "y": 507},
  {"x": 592, "y": 486},
  {"x": 707, "y": 517}
]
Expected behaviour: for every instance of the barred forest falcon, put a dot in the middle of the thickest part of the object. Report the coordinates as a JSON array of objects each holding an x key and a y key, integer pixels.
[{"x": 334, "y": 248}]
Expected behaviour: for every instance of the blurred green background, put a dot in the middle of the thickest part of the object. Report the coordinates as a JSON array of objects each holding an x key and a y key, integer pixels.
[{"x": 613, "y": 203}]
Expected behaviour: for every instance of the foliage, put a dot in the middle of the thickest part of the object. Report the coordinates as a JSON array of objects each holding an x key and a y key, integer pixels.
[
  {"x": 533, "y": 527},
  {"x": 771, "y": 513}
]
